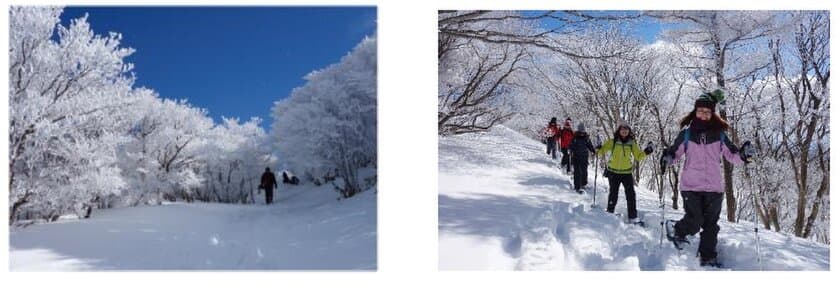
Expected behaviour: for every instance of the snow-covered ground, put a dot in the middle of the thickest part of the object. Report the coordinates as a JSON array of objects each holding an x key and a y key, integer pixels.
[
  {"x": 504, "y": 205},
  {"x": 305, "y": 229}
]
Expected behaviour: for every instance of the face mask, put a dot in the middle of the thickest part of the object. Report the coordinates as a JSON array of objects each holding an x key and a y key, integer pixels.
[{"x": 700, "y": 125}]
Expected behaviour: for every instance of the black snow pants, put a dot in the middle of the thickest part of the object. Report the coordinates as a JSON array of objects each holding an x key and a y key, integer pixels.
[
  {"x": 702, "y": 210},
  {"x": 566, "y": 160},
  {"x": 269, "y": 195},
  {"x": 629, "y": 193},
  {"x": 580, "y": 170},
  {"x": 551, "y": 147}
]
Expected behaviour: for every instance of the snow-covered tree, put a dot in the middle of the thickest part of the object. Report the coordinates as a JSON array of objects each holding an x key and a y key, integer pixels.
[
  {"x": 233, "y": 161},
  {"x": 162, "y": 159},
  {"x": 65, "y": 85},
  {"x": 803, "y": 111},
  {"x": 327, "y": 127},
  {"x": 82, "y": 137}
]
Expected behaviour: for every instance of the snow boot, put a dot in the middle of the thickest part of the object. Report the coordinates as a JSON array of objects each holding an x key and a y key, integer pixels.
[
  {"x": 710, "y": 262},
  {"x": 679, "y": 241},
  {"x": 636, "y": 221}
]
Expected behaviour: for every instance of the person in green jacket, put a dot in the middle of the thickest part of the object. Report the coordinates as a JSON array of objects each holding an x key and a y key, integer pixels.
[{"x": 623, "y": 151}]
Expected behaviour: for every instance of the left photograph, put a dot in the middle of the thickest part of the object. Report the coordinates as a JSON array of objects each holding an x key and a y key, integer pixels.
[{"x": 192, "y": 138}]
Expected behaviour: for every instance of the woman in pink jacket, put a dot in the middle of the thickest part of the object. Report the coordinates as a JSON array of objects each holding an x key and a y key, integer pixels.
[{"x": 703, "y": 142}]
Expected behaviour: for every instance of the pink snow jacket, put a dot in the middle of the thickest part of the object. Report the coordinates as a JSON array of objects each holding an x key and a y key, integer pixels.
[{"x": 703, "y": 150}]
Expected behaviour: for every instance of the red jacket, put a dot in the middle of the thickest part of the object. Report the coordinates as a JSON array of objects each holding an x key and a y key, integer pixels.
[
  {"x": 566, "y": 136},
  {"x": 551, "y": 131}
]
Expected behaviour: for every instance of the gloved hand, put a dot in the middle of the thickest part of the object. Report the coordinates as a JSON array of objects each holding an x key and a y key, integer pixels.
[
  {"x": 649, "y": 148},
  {"x": 747, "y": 151}
]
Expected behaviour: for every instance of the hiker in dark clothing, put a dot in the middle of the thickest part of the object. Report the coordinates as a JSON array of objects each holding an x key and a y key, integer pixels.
[
  {"x": 289, "y": 178},
  {"x": 268, "y": 182},
  {"x": 580, "y": 147}
]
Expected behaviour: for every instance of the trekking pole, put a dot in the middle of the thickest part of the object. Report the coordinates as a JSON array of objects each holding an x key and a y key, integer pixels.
[
  {"x": 595, "y": 182},
  {"x": 662, "y": 167},
  {"x": 755, "y": 211}
]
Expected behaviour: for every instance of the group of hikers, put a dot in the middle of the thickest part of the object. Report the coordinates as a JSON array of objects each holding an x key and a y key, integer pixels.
[{"x": 702, "y": 141}]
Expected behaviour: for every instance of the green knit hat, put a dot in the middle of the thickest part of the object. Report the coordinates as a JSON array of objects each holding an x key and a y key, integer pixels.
[{"x": 710, "y": 100}]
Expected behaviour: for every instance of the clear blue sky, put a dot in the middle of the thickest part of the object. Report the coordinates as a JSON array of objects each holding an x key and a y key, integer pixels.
[
  {"x": 232, "y": 61},
  {"x": 645, "y": 29}
]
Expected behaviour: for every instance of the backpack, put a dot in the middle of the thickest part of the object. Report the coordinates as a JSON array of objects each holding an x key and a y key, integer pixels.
[{"x": 686, "y": 136}]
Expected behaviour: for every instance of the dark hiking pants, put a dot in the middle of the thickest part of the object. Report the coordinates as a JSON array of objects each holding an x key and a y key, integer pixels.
[
  {"x": 629, "y": 193},
  {"x": 566, "y": 161},
  {"x": 702, "y": 211},
  {"x": 269, "y": 195},
  {"x": 551, "y": 148},
  {"x": 580, "y": 173}
]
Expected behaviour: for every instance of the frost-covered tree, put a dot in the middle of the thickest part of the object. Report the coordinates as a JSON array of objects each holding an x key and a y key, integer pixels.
[
  {"x": 488, "y": 60},
  {"x": 64, "y": 85},
  {"x": 327, "y": 127},
  {"x": 162, "y": 159},
  {"x": 82, "y": 137},
  {"x": 801, "y": 85},
  {"x": 233, "y": 161},
  {"x": 475, "y": 75}
]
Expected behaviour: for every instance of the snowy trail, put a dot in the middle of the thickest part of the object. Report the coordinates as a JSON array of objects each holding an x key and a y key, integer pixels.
[
  {"x": 306, "y": 229},
  {"x": 504, "y": 205}
]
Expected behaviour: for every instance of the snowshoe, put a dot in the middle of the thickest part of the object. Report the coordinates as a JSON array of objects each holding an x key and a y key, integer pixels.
[
  {"x": 712, "y": 262},
  {"x": 579, "y": 191},
  {"x": 679, "y": 241},
  {"x": 636, "y": 221}
]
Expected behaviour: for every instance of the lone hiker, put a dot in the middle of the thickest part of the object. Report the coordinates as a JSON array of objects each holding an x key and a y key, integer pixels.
[{"x": 268, "y": 183}]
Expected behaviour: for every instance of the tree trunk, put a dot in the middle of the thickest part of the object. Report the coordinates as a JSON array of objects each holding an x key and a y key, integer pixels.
[
  {"x": 16, "y": 206},
  {"x": 729, "y": 193}
]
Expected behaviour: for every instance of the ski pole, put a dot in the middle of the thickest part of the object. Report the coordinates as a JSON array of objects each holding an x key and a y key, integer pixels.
[
  {"x": 755, "y": 212},
  {"x": 595, "y": 182},
  {"x": 662, "y": 200}
]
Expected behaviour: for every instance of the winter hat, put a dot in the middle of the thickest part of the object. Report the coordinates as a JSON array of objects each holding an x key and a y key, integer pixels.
[
  {"x": 622, "y": 123},
  {"x": 580, "y": 128},
  {"x": 709, "y": 100},
  {"x": 553, "y": 120}
]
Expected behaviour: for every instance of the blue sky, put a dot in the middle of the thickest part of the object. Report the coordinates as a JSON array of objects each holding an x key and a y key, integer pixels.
[
  {"x": 232, "y": 61},
  {"x": 645, "y": 29}
]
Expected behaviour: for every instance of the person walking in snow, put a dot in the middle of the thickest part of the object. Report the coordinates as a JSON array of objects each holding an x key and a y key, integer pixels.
[
  {"x": 623, "y": 151},
  {"x": 268, "y": 182},
  {"x": 566, "y": 135},
  {"x": 703, "y": 141},
  {"x": 580, "y": 147},
  {"x": 550, "y": 134}
]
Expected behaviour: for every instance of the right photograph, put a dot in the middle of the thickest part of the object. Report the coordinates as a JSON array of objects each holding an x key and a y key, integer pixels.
[{"x": 633, "y": 140}]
